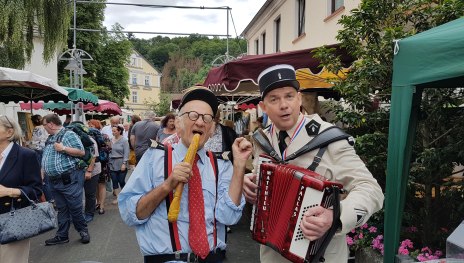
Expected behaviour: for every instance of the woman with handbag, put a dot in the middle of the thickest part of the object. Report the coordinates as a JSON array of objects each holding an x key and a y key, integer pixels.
[{"x": 19, "y": 175}]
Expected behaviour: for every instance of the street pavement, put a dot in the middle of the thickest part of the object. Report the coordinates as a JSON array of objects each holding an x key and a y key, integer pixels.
[{"x": 114, "y": 242}]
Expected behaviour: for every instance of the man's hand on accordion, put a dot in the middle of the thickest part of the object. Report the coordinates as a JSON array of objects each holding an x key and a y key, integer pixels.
[
  {"x": 249, "y": 188},
  {"x": 316, "y": 221}
]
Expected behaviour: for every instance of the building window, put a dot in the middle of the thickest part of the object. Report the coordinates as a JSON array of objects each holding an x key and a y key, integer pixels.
[
  {"x": 335, "y": 5},
  {"x": 263, "y": 36},
  {"x": 147, "y": 80},
  {"x": 134, "y": 79},
  {"x": 277, "y": 34},
  {"x": 133, "y": 62},
  {"x": 257, "y": 46},
  {"x": 134, "y": 97},
  {"x": 301, "y": 16}
]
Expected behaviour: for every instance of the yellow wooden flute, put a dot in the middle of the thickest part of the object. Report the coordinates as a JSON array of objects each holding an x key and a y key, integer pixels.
[{"x": 174, "y": 208}]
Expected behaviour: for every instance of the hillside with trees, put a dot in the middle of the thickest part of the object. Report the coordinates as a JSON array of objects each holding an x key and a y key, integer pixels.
[{"x": 185, "y": 61}]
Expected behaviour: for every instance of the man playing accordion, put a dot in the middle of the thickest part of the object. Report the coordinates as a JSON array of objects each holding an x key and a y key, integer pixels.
[{"x": 289, "y": 131}]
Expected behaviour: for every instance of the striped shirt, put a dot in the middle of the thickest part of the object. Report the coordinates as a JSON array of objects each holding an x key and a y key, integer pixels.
[{"x": 57, "y": 163}]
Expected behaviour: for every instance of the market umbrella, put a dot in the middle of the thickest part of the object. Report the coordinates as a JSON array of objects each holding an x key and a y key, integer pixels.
[
  {"x": 20, "y": 85},
  {"x": 239, "y": 77},
  {"x": 80, "y": 95},
  {"x": 104, "y": 107}
]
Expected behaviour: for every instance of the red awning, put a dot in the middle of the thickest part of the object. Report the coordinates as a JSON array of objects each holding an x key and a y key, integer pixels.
[
  {"x": 229, "y": 77},
  {"x": 245, "y": 106}
]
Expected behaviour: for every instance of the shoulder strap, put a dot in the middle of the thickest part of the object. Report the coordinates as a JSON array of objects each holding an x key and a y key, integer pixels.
[
  {"x": 226, "y": 156},
  {"x": 264, "y": 143},
  {"x": 60, "y": 135},
  {"x": 317, "y": 159},
  {"x": 158, "y": 145},
  {"x": 214, "y": 163},
  {"x": 173, "y": 230},
  {"x": 326, "y": 137}
]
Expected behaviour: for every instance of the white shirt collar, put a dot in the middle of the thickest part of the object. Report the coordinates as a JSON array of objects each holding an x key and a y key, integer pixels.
[{"x": 5, "y": 153}]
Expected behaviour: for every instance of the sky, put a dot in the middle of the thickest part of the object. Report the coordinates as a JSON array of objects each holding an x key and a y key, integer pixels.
[{"x": 191, "y": 21}]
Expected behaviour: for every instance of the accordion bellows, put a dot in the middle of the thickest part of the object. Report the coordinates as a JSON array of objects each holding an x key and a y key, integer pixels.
[{"x": 285, "y": 193}]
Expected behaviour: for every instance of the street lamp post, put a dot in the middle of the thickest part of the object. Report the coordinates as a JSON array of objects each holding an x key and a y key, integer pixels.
[
  {"x": 76, "y": 69},
  {"x": 76, "y": 75}
]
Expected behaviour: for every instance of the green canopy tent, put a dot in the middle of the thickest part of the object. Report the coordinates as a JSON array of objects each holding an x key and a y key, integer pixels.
[
  {"x": 434, "y": 58},
  {"x": 80, "y": 95}
]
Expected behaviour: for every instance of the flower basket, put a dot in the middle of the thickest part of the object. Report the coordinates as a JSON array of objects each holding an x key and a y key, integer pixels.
[{"x": 368, "y": 255}]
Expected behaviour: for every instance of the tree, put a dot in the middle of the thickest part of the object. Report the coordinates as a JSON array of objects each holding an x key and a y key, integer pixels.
[
  {"x": 162, "y": 107},
  {"x": 112, "y": 71},
  {"x": 107, "y": 75},
  {"x": 368, "y": 34},
  {"x": 21, "y": 21},
  {"x": 185, "y": 61},
  {"x": 179, "y": 73}
]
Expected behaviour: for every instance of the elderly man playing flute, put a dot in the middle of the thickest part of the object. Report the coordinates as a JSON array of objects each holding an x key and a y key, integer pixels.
[{"x": 203, "y": 189}]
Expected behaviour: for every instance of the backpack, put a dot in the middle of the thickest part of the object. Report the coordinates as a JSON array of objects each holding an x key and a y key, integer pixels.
[
  {"x": 103, "y": 149},
  {"x": 83, "y": 132}
]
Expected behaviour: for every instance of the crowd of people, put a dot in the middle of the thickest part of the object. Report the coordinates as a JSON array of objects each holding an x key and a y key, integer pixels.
[{"x": 216, "y": 185}]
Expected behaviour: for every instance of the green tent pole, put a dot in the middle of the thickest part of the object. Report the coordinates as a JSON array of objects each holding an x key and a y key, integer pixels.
[{"x": 404, "y": 110}]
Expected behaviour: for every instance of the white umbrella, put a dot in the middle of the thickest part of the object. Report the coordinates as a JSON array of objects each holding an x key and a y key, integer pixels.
[{"x": 20, "y": 85}]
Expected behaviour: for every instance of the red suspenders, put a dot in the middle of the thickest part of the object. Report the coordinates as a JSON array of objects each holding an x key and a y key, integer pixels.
[{"x": 173, "y": 230}]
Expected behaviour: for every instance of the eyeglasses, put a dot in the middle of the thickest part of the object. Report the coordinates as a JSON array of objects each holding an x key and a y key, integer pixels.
[
  {"x": 193, "y": 116},
  {"x": 8, "y": 120}
]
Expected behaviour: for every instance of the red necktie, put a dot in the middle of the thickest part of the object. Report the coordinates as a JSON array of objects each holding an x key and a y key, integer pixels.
[{"x": 198, "y": 239}]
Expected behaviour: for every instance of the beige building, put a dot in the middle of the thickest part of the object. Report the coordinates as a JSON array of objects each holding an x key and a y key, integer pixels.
[
  {"x": 286, "y": 25},
  {"x": 144, "y": 84}
]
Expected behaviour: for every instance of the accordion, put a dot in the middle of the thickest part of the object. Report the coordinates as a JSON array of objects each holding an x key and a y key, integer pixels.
[{"x": 285, "y": 193}]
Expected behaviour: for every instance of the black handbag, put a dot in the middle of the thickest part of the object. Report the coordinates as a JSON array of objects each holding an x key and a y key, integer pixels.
[{"x": 30, "y": 221}]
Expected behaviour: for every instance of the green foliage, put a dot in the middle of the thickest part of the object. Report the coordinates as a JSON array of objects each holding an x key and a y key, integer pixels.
[
  {"x": 162, "y": 107},
  {"x": 185, "y": 61},
  {"x": 20, "y": 21},
  {"x": 179, "y": 73},
  {"x": 368, "y": 34},
  {"x": 112, "y": 71},
  {"x": 107, "y": 76}
]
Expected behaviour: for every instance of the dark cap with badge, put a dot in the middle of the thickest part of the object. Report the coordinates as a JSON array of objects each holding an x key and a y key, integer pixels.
[
  {"x": 200, "y": 93},
  {"x": 277, "y": 76}
]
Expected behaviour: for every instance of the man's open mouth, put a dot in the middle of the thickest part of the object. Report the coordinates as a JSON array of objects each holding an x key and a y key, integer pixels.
[{"x": 198, "y": 132}]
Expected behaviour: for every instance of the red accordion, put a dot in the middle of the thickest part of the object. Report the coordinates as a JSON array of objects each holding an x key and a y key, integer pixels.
[{"x": 285, "y": 193}]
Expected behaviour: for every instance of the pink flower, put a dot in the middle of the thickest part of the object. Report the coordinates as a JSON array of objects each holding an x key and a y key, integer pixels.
[
  {"x": 372, "y": 229},
  {"x": 349, "y": 241},
  {"x": 403, "y": 251},
  {"x": 426, "y": 250},
  {"x": 407, "y": 243},
  {"x": 361, "y": 236},
  {"x": 421, "y": 258},
  {"x": 378, "y": 244},
  {"x": 411, "y": 229},
  {"x": 364, "y": 226}
]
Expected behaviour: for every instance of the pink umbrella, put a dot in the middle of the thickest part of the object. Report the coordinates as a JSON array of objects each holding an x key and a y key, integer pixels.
[{"x": 27, "y": 106}]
